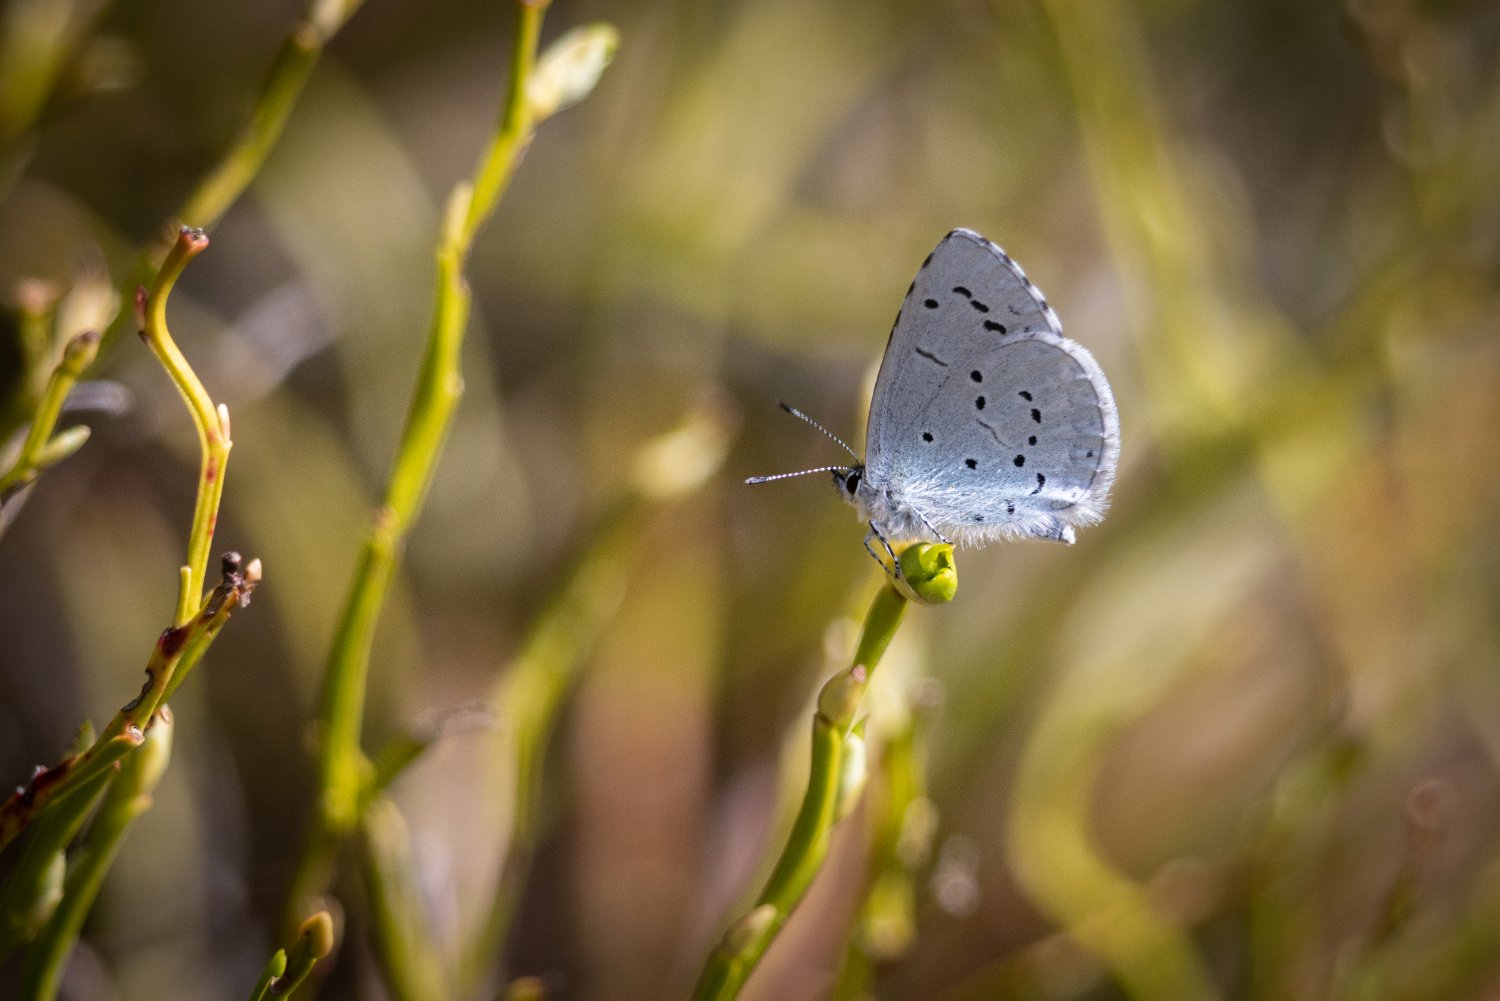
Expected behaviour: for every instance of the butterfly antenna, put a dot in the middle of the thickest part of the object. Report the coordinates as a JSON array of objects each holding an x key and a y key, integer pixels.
[
  {"x": 801, "y": 416},
  {"x": 800, "y": 472}
]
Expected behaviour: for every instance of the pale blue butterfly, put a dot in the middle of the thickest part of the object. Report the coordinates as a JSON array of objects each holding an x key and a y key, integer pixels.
[{"x": 986, "y": 422}]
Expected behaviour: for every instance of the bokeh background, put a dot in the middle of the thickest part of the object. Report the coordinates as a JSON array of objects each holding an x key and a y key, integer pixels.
[{"x": 1240, "y": 741}]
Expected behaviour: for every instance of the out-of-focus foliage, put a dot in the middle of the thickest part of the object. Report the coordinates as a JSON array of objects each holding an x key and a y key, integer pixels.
[{"x": 1241, "y": 741}]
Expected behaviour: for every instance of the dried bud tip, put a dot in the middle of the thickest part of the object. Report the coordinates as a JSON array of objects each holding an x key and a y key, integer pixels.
[{"x": 82, "y": 348}]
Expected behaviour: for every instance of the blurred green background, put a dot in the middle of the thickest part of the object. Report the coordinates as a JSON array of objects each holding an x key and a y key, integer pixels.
[{"x": 1242, "y": 740}]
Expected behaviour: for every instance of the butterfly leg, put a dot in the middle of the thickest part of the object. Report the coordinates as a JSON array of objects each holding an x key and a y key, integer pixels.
[
  {"x": 895, "y": 564},
  {"x": 940, "y": 536}
]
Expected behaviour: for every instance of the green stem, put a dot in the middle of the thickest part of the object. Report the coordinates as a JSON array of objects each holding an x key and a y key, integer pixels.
[
  {"x": 212, "y": 425},
  {"x": 272, "y": 108},
  {"x": 40, "y": 449},
  {"x": 414, "y": 970},
  {"x": 128, "y": 796},
  {"x": 343, "y": 770},
  {"x": 736, "y": 955},
  {"x": 176, "y": 650},
  {"x": 275, "y": 967},
  {"x": 34, "y": 888},
  {"x": 516, "y": 126},
  {"x": 284, "y": 972},
  {"x": 900, "y": 820},
  {"x": 278, "y": 95},
  {"x": 528, "y": 697}
]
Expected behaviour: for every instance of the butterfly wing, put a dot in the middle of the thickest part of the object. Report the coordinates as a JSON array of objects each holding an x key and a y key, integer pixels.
[{"x": 986, "y": 421}]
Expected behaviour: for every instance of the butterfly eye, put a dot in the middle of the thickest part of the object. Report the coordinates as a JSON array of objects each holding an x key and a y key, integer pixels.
[{"x": 851, "y": 482}]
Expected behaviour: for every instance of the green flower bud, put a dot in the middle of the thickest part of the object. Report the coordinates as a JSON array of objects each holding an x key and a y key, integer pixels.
[{"x": 928, "y": 573}]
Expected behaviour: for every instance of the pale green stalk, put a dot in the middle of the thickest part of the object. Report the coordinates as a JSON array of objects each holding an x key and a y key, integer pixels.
[
  {"x": 928, "y": 575},
  {"x": 127, "y": 797},
  {"x": 34, "y": 887},
  {"x": 278, "y": 94},
  {"x": 414, "y": 966},
  {"x": 531, "y": 690},
  {"x": 901, "y": 820},
  {"x": 40, "y": 449},
  {"x": 270, "y": 110},
  {"x": 37, "y": 40},
  {"x": 343, "y": 770},
  {"x": 284, "y": 972}
]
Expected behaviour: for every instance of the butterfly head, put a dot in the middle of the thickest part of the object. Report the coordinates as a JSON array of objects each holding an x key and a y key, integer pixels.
[
  {"x": 851, "y": 484},
  {"x": 848, "y": 480}
]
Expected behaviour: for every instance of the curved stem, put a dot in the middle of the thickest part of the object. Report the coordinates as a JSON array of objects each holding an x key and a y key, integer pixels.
[
  {"x": 736, "y": 955},
  {"x": 212, "y": 425}
]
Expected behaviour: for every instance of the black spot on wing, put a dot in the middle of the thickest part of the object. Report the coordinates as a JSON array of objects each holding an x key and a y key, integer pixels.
[
  {"x": 998, "y": 328},
  {"x": 1020, "y": 460},
  {"x": 930, "y": 303},
  {"x": 926, "y": 435},
  {"x": 1041, "y": 481},
  {"x": 978, "y": 403},
  {"x": 979, "y": 305},
  {"x": 960, "y": 290},
  {"x": 1025, "y": 396},
  {"x": 977, "y": 375},
  {"x": 1036, "y": 415},
  {"x": 1031, "y": 440},
  {"x": 971, "y": 463},
  {"x": 931, "y": 357}
]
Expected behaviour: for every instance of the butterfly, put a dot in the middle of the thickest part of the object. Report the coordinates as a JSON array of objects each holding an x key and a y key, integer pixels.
[{"x": 986, "y": 422}]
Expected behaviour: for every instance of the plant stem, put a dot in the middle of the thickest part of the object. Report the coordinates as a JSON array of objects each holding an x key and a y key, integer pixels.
[
  {"x": 736, "y": 955},
  {"x": 176, "y": 651},
  {"x": 516, "y": 126},
  {"x": 283, "y": 84},
  {"x": 284, "y": 972},
  {"x": 40, "y": 449},
  {"x": 414, "y": 969},
  {"x": 271, "y": 109},
  {"x": 343, "y": 769},
  {"x": 128, "y": 796},
  {"x": 212, "y": 426}
]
